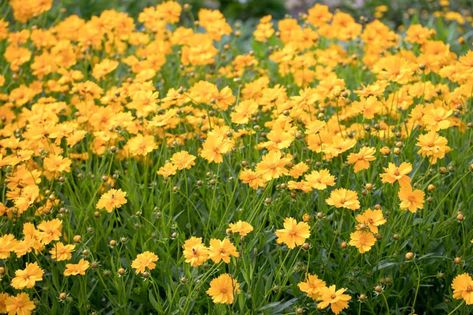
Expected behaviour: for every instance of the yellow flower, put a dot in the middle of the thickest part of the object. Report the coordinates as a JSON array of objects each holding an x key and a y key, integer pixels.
[
  {"x": 183, "y": 160},
  {"x": 343, "y": 198},
  {"x": 411, "y": 199},
  {"x": 62, "y": 252},
  {"x": 362, "y": 159},
  {"x": 362, "y": 240},
  {"x": 50, "y": 230},
  {"x": 140, "y": 145},
  {"x": 297, "y": 170},
  {"x": 371, "y": 219},
  {"x": 215, "y": 146},
  {"x": 336, "y": 299},
  {"x": 272, "y": 165},
  {"x": 23, "y": 11},
  {"x": 167, "y": 170},
  {"x": 222, "y": 250},
  {"x": 312, "y": 286},
  {"x": 103, "y": 68},
  {"x": 264, "y": 30},
  {"x": 240, "y": 227},
  {"x": 19, "y": 304},
  {"x": 320, "y": 180},
  {"x": 214, "y": 23},
  {"x": 432, "y": 146},
  {"x": 223, "y": 288},
  {"x": 3, "y": 299},
  {"x": 195, "y": 253},
  {"x": 394, "y": 173},
  {"x": 462, "y": 287},
  {"x": 293, "y": 234},
  {"x": 76, "y": 269},
  {"x": 112, "y": 199},
  {"x": 26, "y": 278},
  {"x": 7, "y": 243},
  {"x": 143, "y": 261},
  {"x": 252, "y": 178}
]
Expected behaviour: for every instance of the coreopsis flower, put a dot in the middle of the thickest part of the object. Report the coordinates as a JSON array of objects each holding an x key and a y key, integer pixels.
[
  {"x": 432, "y": 146},
  {"x": 7, "y": 243},
  {"x": 419, "y": 34},
  {"x": 222, "y": 250},
  {"x": 336, "y": 299},
  {"x": 394, "y": 173},
  {"x": 320, "y": 180},
  {"x": 243, "y": 112},
  {"x": 273, "y": 165},
  {"x": 169, "y": 11},
  {"x": 362, "y": 159},
  {"x": 103, "y": 68},
  {"x": 223, "y": 289},
  {"x": 19, "y": 304},
  {"x": 462, "y": 287},
  {"x": 312, "y": 286},
  {"x": 50, "y": 231},
  {"x": 411, "y": 199},
  {"x": 215, "y": 146},
  {"x": 195, "y": 252},
  {"x": 214, "y": 23},
  {"x": 319, "y": 15},
  {"x": 27, "y": 197},
  {"x": 144, "y": 261},
  {"x": 144, "y": 102},
  {"x": 54, "y": 165},
  {"x": 168, "y": 169},
  {"x": 61, "y": 252},
  {"x": 297, "y": 170},
  {"x": 27, "y": 278},
  {"x": 252, "y": 178},
  {"x": 3, "y": 299},
  {"x": 23, "y": 12},
  {"x": 140, "y": 145},
  {"x": 371, "y": 219},
  {"x": 183, "y": 160},
  {"x": 264, "y": 30},
  {"x": 343, "y": 198},
  {"x": 293, "y": 234},
  {"x": 3, "y": 35},
  {"x": 437, "y": 118},
  {"x": 112, "y": 199},
  {"x": 77, "y": 269},
  {"x": 362, "y": 240},
  {"x": 302, "y": 185},
  {"x": 16, "y": 56},
  {"x": 240, "y": 227}
]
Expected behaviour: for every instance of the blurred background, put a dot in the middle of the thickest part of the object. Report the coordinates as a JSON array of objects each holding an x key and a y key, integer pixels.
[{"x": 395, "y": 12}]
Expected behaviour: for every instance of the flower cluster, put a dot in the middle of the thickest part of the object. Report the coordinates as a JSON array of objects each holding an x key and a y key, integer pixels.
[{"x": 124, "y": 139}]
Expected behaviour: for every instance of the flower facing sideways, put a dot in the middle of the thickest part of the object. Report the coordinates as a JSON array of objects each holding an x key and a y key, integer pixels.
[
  {"x": 77, "y": 269},
  {"x": 241, "y": 227},
  {"x": 462, "y": 287},
  {"x": 312, "y": 286},
  {"x": 343, "y": 198}
]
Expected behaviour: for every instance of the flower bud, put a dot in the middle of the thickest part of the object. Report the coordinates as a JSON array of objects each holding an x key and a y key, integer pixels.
[{"x": 409, "y": 256}]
